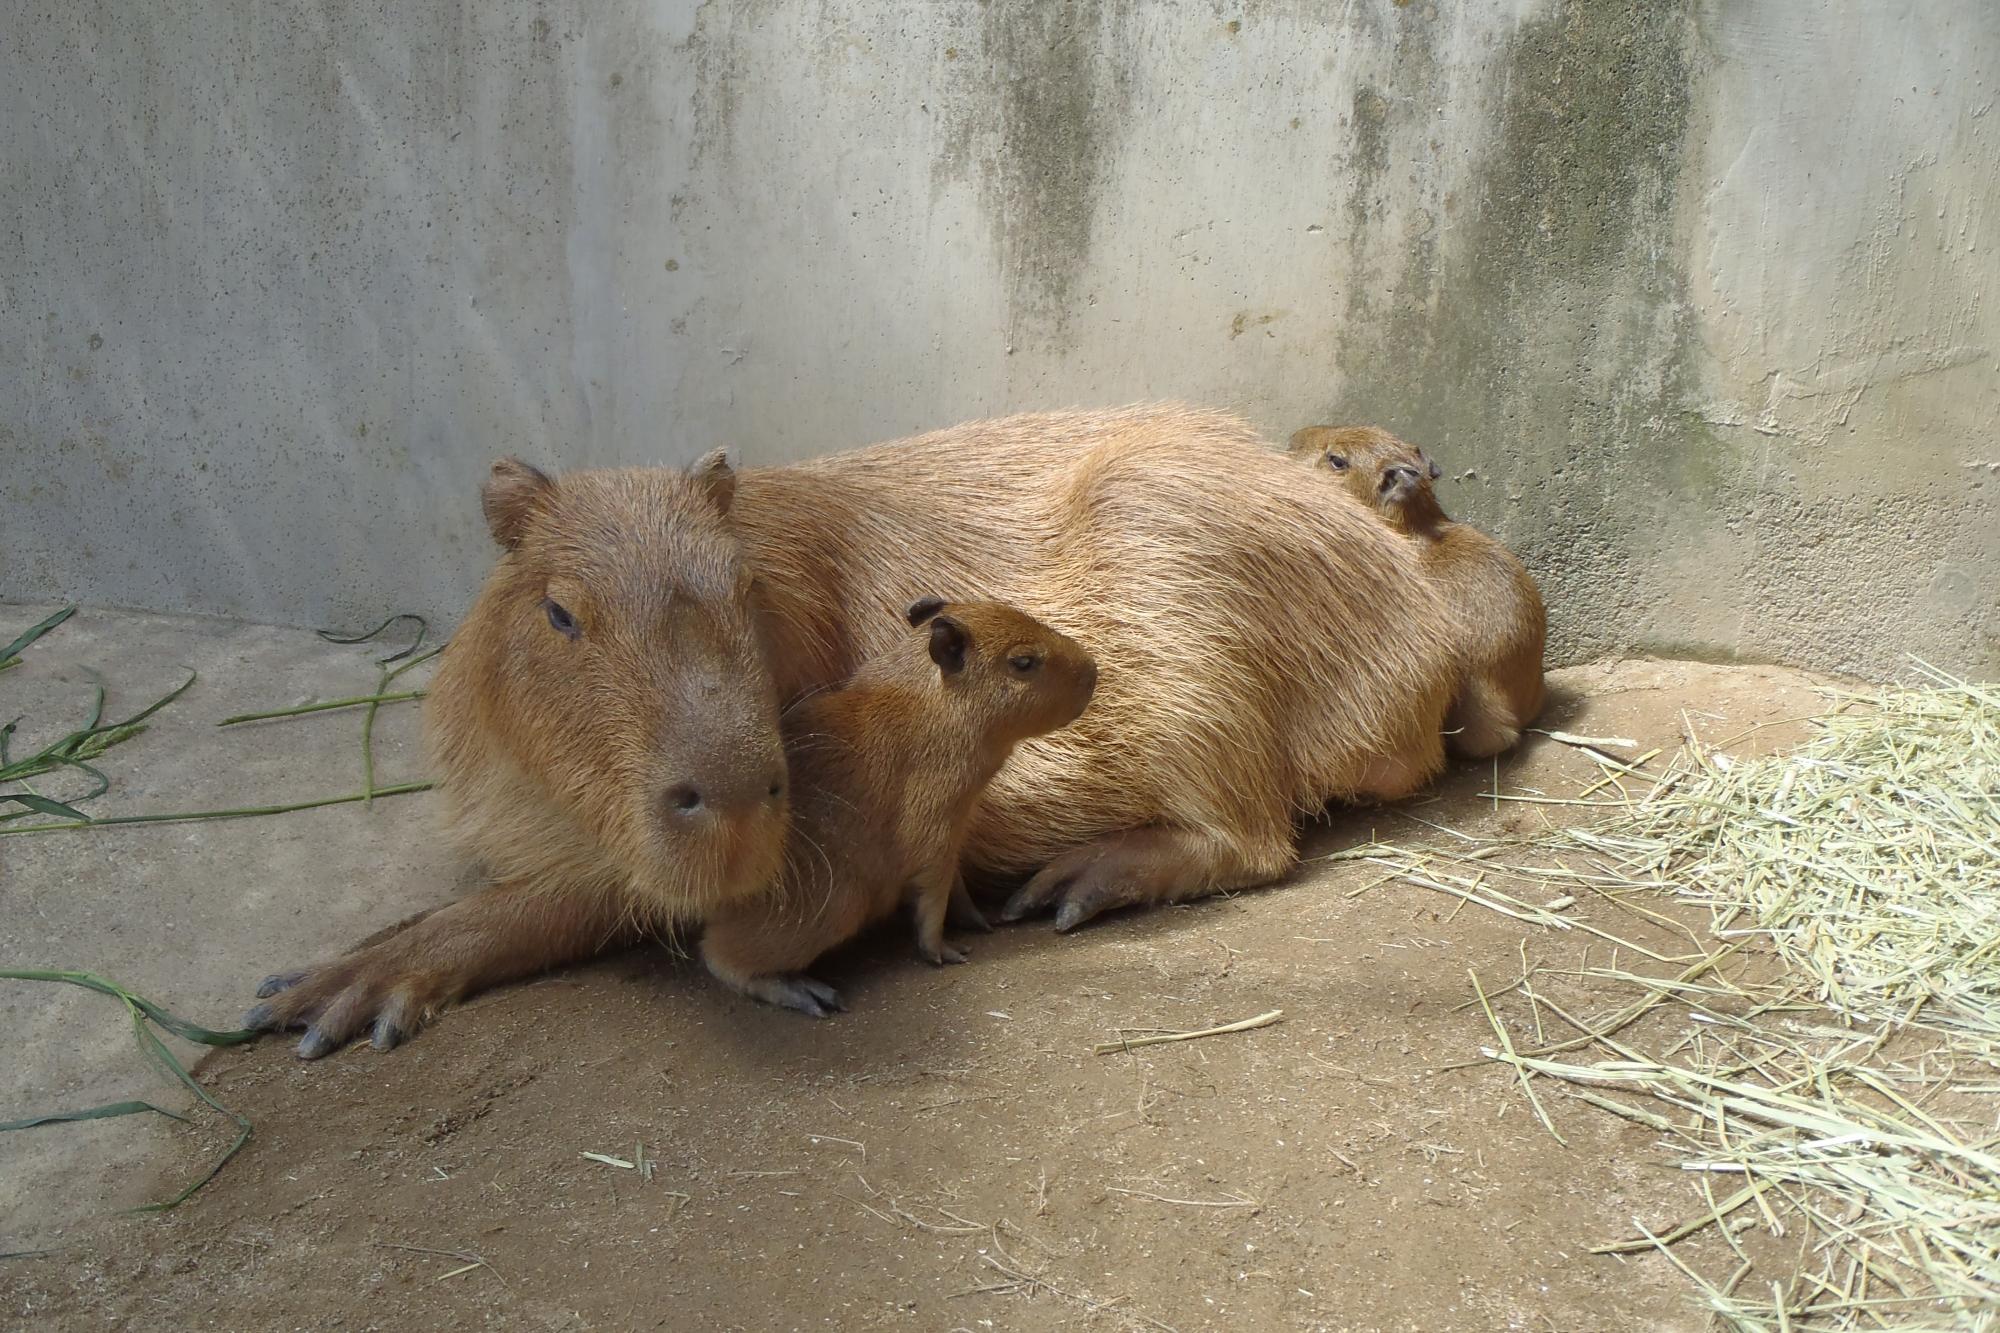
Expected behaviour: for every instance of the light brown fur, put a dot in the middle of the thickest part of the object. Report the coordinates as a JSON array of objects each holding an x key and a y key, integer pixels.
[
  {"x": 1259, "y": 653},
  {"x": 885, "y": 773},
  {"x": 1497, "y": 615},
  {"x": 560, "y": 754}
]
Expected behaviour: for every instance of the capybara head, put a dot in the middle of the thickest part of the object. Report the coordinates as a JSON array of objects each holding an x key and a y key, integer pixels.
[
  {"x": 623, "y": 670},
  {"x": 1375, "y": 467},
  {"x": 1017, "y": 676}
]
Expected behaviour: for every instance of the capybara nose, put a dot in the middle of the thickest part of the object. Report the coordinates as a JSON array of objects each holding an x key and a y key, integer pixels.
[{"x": 686, "y": 800}]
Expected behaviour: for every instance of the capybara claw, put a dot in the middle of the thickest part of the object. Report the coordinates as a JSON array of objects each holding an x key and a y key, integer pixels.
[
  {"x": 1091, "y": 894},
  {"x": 822, "y": 992},
  {"x": 258, "y": 1018},
  {"x": 386, "y": 1034},
  {"x": 316, "y": 1043},
  {"x": 944, "y": 954},
  {"x": 1031, "y": 898},
  {"x": 278, "y": 981},
  {"x": 1075, "y": 911},
  {"x": 799, "y": 992},
  {"x": 1044, "y": 887}
]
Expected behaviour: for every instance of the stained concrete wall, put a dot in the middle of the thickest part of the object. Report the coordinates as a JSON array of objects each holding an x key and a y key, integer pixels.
[{"x": 1695, "y": 301}]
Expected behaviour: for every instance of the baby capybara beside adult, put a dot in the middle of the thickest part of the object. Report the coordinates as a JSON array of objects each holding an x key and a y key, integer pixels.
[
  {"x": 1259, "y": 653},
  {"x": 885, "y": 774}
]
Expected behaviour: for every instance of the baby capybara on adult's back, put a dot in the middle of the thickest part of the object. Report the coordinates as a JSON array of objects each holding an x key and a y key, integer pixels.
[
  {"x": 1498, "y": 620},
  {"x": 885, "y": 772},
  {"x": 1259, "y": 653}
]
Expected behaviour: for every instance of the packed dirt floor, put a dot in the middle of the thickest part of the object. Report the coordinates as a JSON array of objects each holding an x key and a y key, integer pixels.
[{"x": 950, "y": 1154}]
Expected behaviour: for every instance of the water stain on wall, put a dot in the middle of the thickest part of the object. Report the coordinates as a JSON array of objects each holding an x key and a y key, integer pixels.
[
  {"x": 1547, "y": 346},
  {"x": 1045, "y": 92}
]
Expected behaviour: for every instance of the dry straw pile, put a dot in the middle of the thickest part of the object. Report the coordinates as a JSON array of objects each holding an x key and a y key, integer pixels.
[{"x": 1826, "y": 1063}]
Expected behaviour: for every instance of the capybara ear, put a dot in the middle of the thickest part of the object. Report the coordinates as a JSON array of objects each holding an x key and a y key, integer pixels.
[
  {"x": 512, "y": 492},
  {"x": 1305, "y": 439},
  {"x": 948, "y": 644},
  {"x": 717, "y": 478},
  {"x": 924, "y": 608}
]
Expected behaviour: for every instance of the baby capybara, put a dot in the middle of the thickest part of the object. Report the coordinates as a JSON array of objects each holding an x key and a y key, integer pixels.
[
  {"x": 885, "y": 772},
  {"x": 1497, "y": 615}
]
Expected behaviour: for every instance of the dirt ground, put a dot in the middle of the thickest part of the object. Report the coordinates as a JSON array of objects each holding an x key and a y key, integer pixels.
[{"x": 951, "y": 1153}]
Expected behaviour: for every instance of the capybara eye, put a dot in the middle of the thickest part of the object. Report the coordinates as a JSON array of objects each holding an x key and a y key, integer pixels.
[
  {"x": 1024, "y": 662},
  {"x": 1336, "y": 462},
  {"x": 561, "y": 621}
]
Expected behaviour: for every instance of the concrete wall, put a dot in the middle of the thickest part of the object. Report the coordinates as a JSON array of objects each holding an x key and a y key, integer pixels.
[{"x": 1696, "y": 302}]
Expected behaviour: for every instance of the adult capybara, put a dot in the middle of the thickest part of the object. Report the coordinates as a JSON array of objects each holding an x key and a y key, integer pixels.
[
  {"x": 1259, "y": 653},
  {"x": 885, "y": 773},
  {"x": 1498, "y": 619}
]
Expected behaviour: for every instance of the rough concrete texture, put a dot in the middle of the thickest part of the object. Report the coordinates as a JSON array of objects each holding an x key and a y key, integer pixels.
[{"x": 1695, "y": 300}]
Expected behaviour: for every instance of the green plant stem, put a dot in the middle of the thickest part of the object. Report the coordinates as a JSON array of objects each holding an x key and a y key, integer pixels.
[
  {"x": 389, "y": 674},
  {"x": 357, "y": 701},
  {"x": 11, "y": 654},
  {"x": 368, "y": 750},
  {"x": 142, "y": 1011},
  {"x": 104, "y": 1112},
  {"x": 246, "y": 812}
]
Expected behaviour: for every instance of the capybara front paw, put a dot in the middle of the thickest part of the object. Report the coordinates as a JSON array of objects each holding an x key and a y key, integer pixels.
[
  {"x": 337, "y": 1002},
  {"x": 808, "y": 995}
]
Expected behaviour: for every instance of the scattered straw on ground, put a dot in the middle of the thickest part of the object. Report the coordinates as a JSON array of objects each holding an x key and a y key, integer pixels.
[{"x": 1837, "y": 1112}]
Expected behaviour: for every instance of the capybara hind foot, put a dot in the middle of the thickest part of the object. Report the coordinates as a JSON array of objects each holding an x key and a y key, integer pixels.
[
  {"x": 391, "y": 989},
  {"x": 1480, "y": 723},
  {"x": 1145, "y": 865},
  {"x": 798, "y": 991}
]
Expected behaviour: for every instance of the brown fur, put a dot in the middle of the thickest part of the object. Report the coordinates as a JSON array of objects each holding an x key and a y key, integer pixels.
[
  {"x": 1259, "y": 653},
  {"x": 562, "y": 756},
  {"x": 885, "y": 773},
  {"x": 1496, "y": 609}
]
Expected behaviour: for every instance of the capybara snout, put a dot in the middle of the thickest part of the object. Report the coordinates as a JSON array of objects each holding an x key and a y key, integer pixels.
[{"x": 1399, "y": 482}]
